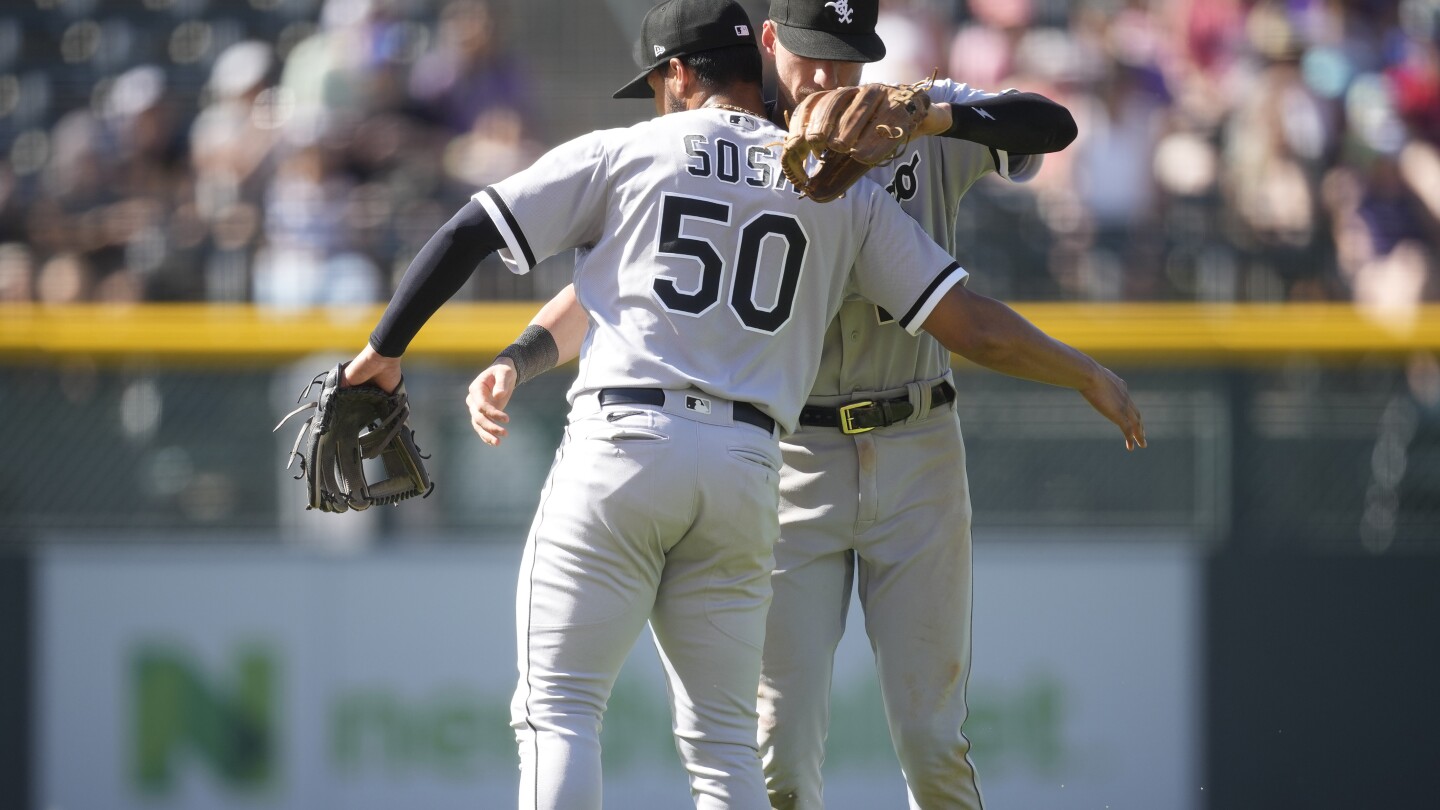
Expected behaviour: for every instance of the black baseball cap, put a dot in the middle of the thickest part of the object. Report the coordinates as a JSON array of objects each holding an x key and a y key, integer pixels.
[
  {"x": 841, "y": 30},
  {"x": 682, "y": 27}
]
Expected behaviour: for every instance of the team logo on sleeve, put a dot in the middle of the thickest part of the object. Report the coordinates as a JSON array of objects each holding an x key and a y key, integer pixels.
[{"x": 906, "y": 181}]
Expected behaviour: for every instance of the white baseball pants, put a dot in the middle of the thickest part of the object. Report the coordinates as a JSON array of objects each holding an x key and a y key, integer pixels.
[
  {"x": 660, "y": 514},
  {"x": 892, "y": 506}
]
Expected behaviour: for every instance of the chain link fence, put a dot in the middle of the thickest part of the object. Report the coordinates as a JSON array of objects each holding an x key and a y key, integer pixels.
[{"x": 1335, "y": 460}]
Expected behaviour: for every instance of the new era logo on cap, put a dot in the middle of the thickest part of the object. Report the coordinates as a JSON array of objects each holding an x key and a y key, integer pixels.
[{"x": 679, "y": 28}]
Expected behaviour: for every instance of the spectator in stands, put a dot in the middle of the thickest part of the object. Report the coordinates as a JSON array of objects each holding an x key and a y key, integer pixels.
[
  {"x": 233, "y": 143},
  {"x": 1245, "y": 149},
  {"x": 65, "y": 278},
  {"x": 470, "y": 72},
  {"x": 307, "y": 258},
  {"x": 17, "y": 273}
]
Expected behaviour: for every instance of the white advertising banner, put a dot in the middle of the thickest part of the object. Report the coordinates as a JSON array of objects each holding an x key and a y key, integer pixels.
[{"x": 260, "y": 679}]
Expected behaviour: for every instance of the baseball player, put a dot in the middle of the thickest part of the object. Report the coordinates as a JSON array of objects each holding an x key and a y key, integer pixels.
[
  {"x": 874, "y": 479},
  {"x": 708, "y": 283}
]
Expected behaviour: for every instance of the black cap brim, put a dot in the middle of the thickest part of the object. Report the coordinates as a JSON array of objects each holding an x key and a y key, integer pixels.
[
  {"x": 813, "y": 44},
  {"x": 639, "y": 87}
]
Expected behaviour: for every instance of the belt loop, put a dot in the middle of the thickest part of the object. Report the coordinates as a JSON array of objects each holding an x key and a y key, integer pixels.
[{"x": 919, "y": 394}]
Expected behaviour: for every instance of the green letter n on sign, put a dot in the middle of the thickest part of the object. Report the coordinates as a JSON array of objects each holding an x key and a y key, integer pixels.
[{"x": 226, "y": 721}]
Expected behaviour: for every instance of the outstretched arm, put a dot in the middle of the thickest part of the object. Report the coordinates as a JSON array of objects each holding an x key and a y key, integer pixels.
[
  {"x": 993, "y": 335},
  {"x": 437, "y": 272},
  {"x": 554, "y": 336},
  {"x": 567, "y": 322},
  {"x": 1013, "y": 122}
]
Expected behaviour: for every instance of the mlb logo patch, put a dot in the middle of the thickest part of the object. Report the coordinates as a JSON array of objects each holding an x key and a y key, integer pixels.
[
  {"x": 742, "y": 30},
  {"x": 697, "y": 404}
]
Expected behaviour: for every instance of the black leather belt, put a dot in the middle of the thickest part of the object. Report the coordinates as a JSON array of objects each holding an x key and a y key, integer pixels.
[
  {"x": 739, "y": 411},
  {"x": 867, "y": 414}
]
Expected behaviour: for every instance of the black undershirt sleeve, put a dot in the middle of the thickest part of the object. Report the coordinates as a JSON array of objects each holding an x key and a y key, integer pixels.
[
  {"x": 1018, "y": 123},
  {"x": 437, "y": 272}
]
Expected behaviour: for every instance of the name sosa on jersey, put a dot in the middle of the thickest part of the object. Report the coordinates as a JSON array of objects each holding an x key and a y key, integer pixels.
[{"x": 721, "y": 160}]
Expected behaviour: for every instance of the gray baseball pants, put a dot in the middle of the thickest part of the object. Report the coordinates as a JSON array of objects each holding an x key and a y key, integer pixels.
[
  {"x": 891, "y": 507},
  {"x": 649, "y": 513}
]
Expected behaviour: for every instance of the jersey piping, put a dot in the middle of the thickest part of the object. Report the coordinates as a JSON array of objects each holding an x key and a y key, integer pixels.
[
  {"x": 504, "y": 219},
  {"x": 949, "y": 277}
]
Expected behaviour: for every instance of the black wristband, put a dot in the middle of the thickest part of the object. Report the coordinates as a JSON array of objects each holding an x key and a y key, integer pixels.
[{"x": 533, "y": 353}]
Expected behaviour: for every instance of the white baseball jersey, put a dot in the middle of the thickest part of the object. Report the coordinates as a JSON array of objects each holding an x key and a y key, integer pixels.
[
  {"x": 865, "y": 348},
  {"x": 700, "y": 266}
]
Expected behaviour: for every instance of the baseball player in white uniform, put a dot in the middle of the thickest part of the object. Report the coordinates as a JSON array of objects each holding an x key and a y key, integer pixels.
[
  {"x": 874, "y": 479},
  {"x": 708, "y": 285},
  {"x": 885, "y": 511}
]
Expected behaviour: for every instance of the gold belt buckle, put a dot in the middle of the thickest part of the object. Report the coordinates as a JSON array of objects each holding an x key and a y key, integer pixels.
[{"x": 847, "y": 418}]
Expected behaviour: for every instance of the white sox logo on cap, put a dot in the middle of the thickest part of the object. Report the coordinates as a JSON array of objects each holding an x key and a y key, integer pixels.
[{"x": 840, "y": 30}]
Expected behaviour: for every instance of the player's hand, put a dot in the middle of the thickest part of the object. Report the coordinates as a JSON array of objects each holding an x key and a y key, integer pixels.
[
  {"x": 372, "y": 367},
  {"x": 1109, "y": 395},
  {"x": 937, "y": 120},
  {"x": 489, "y": 394}
]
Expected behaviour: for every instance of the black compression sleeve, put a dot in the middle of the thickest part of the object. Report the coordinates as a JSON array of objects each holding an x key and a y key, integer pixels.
[
  {"x": 438, "y": 271},
  {"x": 1018, "y": 123}
]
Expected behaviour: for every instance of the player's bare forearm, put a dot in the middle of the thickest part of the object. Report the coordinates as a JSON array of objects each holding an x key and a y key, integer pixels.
[
  {"x": 991, "y": 334},
  {"x": 554, "y": 336},
  {"x": 567, "y": 321}
]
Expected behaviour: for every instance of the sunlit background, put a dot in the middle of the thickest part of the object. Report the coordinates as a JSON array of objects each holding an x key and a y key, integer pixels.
[{"x": 202, "y": 203}]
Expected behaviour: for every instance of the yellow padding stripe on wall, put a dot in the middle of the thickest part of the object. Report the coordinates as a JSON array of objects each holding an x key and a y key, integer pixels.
[{"x": 473, "y": 332}]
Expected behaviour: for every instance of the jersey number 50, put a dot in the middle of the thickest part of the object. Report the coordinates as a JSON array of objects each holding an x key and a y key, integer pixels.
[{"x": 675, "y": 209}]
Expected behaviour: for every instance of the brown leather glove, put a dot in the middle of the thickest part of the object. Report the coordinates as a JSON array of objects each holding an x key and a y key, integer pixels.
[{"x": 851, "y": 130}]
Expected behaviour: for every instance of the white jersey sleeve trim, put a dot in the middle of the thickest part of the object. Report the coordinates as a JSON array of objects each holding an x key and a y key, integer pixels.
[
  {"x": 949, "y": 277},
  {"x": 517, "y": 255},
  {"x": 1002, "y": 162}
]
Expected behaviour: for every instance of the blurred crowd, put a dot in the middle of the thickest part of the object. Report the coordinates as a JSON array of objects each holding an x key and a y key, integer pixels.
[
  {"x": 302, "y": 164},
  {"x": 1228, "y": 150},
  {"x": 299, "y": 152}
]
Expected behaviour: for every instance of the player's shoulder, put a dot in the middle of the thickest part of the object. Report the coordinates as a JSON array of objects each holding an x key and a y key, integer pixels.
[
  {"x": 594, "y": 142},
  {"x": 611, "y": 143},
  {"x": 710, "y": 118}
]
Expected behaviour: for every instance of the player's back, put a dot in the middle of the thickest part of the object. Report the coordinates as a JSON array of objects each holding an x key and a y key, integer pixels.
[{"x": 701, "y": 266}]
